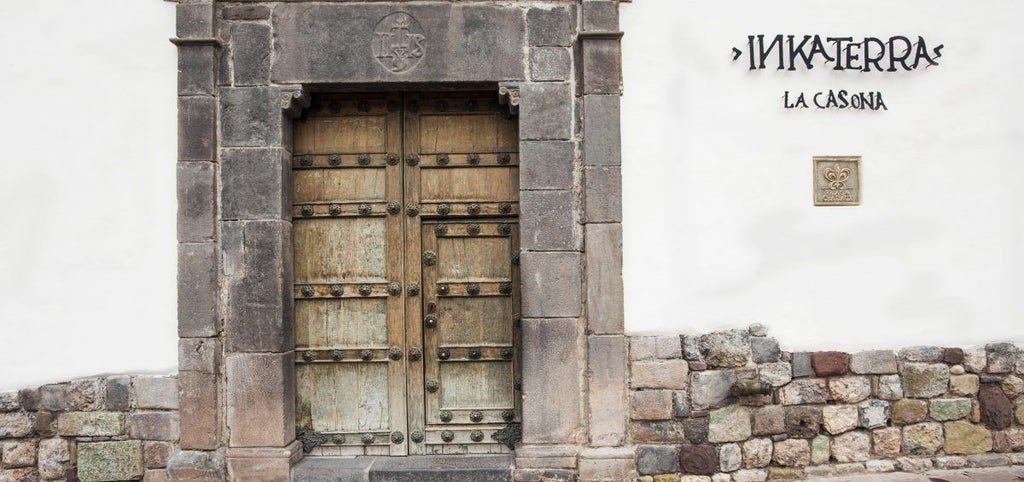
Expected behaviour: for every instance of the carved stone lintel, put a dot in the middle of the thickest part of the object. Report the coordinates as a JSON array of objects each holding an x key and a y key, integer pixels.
[
  {"x": 508, "y": 95},
  {"x": 294, "y": 99}
]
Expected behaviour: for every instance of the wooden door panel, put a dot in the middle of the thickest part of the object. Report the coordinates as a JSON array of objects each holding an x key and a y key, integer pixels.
[
  {"x": 471, "y": 385},
  {"x": 351, "y": 250},
  {"x": 345, "y": 185},
  {"x": 349, "y": 323},
  {"x": 345, "y": 398},
  {"x": 477, "y": 321},
  {"x": 475, "y": 259},
  {"x": 493, "y": 184}
]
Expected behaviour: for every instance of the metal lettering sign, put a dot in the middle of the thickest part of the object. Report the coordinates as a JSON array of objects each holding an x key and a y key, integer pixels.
[{"x": 837, "y": 181}]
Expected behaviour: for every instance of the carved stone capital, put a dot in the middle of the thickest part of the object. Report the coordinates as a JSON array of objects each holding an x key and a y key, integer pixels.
[
  {"x": 508, "y": 95},
  {"x": 294, "y": 99}
]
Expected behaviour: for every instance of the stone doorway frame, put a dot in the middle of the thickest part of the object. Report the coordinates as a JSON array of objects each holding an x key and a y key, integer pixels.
[{"x": 240, "y": 85}]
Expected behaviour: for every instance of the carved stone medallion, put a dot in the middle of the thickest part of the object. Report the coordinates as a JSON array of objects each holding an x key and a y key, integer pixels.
[
  {"x": 837, "y": 181},
  {"x": 398, "y": 42}
]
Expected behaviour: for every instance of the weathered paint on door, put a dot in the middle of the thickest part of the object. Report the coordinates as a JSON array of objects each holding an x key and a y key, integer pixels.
[{"x": 406, "y": 284}]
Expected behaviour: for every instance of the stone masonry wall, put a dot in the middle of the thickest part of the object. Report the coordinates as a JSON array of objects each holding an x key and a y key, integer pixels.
[
  {"x": 110, "y": 428},
  {"x": 828, "y": 413}
]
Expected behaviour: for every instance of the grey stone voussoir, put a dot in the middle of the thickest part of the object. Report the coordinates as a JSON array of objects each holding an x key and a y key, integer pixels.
[
  {"x": 549, "y": 106},
  {"x": 546, "y": 165},
  {"x": 250, "y": 46},
  {"x": 550, "y": 25},
  {"x": 547, "y": 222},
  {"x": 256, "y": 184},
  {"x": 258, "y": 265},
  {"x": 550, "y": 64},
  {"x": 551, "y": 284}
]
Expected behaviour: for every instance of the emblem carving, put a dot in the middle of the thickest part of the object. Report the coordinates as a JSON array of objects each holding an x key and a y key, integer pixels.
[
  {"x": 836, "y": 181},
  {"x": 399, "y": 43}
]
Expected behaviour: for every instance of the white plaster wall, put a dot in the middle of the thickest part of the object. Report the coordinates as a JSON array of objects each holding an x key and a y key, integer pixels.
[
  {"x": 720, "y": 228},
  {"x": 87, "y": 196}
]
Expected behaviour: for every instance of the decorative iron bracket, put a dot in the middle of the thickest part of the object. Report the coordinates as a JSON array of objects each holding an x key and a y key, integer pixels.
[
  {"x": 310, "y": 439},
  {"x": 511, "y": 435}
]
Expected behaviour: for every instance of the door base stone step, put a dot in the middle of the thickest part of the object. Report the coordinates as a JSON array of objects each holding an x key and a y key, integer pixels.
[{"x": 421, "y": 468}]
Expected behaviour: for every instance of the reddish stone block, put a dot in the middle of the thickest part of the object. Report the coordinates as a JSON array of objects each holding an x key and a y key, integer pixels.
[
  {"x": 830, "y": 363},
  {"x": 200, "y": 425},
  {"x": 157, "y": 454},
  {"x": 996, "y": 408},
  {"x": 953, "y": 356},
  {"x": 698, "y": 459}
]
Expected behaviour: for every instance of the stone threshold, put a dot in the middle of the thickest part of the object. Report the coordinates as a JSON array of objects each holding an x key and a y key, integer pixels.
[{"x": 426, "y": 468}]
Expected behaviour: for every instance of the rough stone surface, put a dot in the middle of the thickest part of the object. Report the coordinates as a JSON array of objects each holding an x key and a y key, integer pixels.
[
  {"x": 967, "y": 438},
  {"x": 830, "y": 363},
  {"x": 698, "y": 459},
  {"x": 725, "y": 349},
  {"x": 1018, "y": 410},
  {"x": 53, "y": 398},
  {"x": 952, "y": 356},
  {"x": 775, "y": 374},
  {"x": 668, "y": 346},
  {"x": 879, "y": 466},
  {"x": 975, "y": 359},
  {"x": 90, "y": 424},
  {"x": 651, "y": 405},
  {"x": 253, "y": 183},
  {"x": 887, "y": 441},
  {"x": 18, "y": 454},
  {"x": 102, "y": 461},
  {"x": 197, "y": 128},
  {"x": 1013, "y": 386},
  {"x": 922, "y": 439},
  {"x": 730, "y": 424},
  {"x": 153, "y": 426},
  {"x": 54, "y": 458},
  {"x": 260, "y": 388},
  {"x": 889, "y": 387},
  {"x": 696, "y": 430},
  {"x": 909, "y": 411},
  {"x": 656, "y": 459},
  {"x": 156, "y": 392},
  {"x": 607, "y": 387},
  {"x": 550, "y": 26},
  {"x": 965, "y": 385},
  {"x": 840, "y": 418},
  {"x": 550, "y": 63},
  {"x": 551, "y": 284},
  {"x": 821, "y": 450},
  {"x": 913, "y": 464},
  {"x": 710, "y": 388},
  {"x": 156, "y": 454},
  {"x": 750, "y": 475},
  {"x": 197, "y": 296},
  {"x": 681, "y": 404},
  {"x": 550, "y": 107},
  {"x": 996, "y": 408},
  {"x": 945, "y": 409},
  {"x": 849, "y": 389},
  {"x": 803, "y": 421},
  {"x": 792, "y": 453},
  {"x": 85, "y": 395},
  {"x": 804, "y": 391},
  {"x": 1001, "y": 357},
  {"x": 801, "y": 362},
  {"x": 117, "y": 396},
  {"x": 659, "y": 374},
  {"x": 642, "y": 347},
  {"x": 874, "y": 413},
  {"x": 546, "y": 165},
  {"x": 950, "y": 462},
  {"x": 602, "y": 130},
  {"x": 873, "y": 362},
  {"x": 922, "y": 353},
  {"x": 851, "y": 447},
  {"x": 666, "y": 431},
  {"x": 250, "y": 44},
  {"x": 769, "y": 420},
  {"x": 921, "y": 380},
  {"x": 15, "y": 424},
  {"x": 602, "y": 200},
  {"x": 757, "y": 452},
  {"x": 764, "y": 349},
  {"x": 730, "y": 457}
]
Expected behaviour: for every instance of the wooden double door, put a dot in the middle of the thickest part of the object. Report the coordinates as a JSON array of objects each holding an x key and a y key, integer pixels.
[{"x": 406, "y": 274}]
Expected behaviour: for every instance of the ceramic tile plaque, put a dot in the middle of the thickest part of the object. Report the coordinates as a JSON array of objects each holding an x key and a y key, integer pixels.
[{"x": 837, "y": 180}]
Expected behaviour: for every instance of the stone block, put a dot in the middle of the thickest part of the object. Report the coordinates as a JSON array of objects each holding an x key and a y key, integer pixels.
[
  {"x": 886, "y": 442},
  {"x": 550, "y": 64},
  {"x": 750, "y": 475},
  {"x": 90, "y": 424},
  {"x": 197, "y": 290},
  {"x": 874, "y": 413},
  {"x": 602, "y": 194},
  {"x": 199, "y": 414},
  {"x": 100, "y": 461},
  {"x": 803, "y": 421},
  {"x": 54, "y": 458},
  {"x": 996, "y": 408},
  {"x": 607, "y": 468},
  {"x": 729, "y": 424},
  {"x": 873, "y": 362},
  {"x": 698, "y": 459},
  {"x": 608, "y": 373},
  {"x": 333, "y": 42},
  {"x": 195, "y": 20},
  {"x": 668, "y": 347},
  {"x": 922, "y": 354},
  {"x": 987, "y": 460},
  {"x": 551, "y": 284},
  {"x": 851, "y": 447},
  {"x": 197, "y": 201},
  {"x": 804, "y": 391},
  {"x": 691, "y": 348},
  {"x": 710, "y": 388},
  {"x": 830, "y": 363},
  {"x": 967, "y": 438},
  {"x": 757, "y": 452},
  {"x": 85, "y": 395},
  {"x": 730, "y": 458},
  {"x": 261, "y": 468},
  {"x": 550, "y": 26},
  {"x": 909, "y": 411},
  {"x": 257, "y": 261},
  {"x": 642, "y": 347},
  {"x": 801, "y": 362},
  {"x": 764, "y": 349},
  {"x": 840, "y": 418},
  {"x": 196, "y": 69},
  {"x": 952, "y": 356},
  {"x": 602, "y": 66},
  {"x": 156, "y": 392},
  {"x": 245, "y": 12},
  {"x": 696, "y": 429},
  {"x": 44, "y": 424},
  {"x": 602, "y": 134},
  {"x": 156, "y": 454},
  {"x": 256, "y": 184},
  {"x": 550, "y": 380},
  {"x": 922, "y": 439},
  {"x": 923, "y": 380},
  {"x": 851, "y": 389},
  {"x": 600, "y": 15},
  {"x": 889, "y": 387},
  {"x": 53, "y": 398},
  {"x": 546, "y": 165},
  {"x": 548, "y": 221},
  {"x": 549, "y": 106},
  {"x": 28, "y": 398},
  {"x": 1018, "y": 411},
  {"x": 154, "y": 426},
  {"x": 1012, "y": 385},
  {"x": 20, "y": 454},
  {"x": 913, "y": 464},
  {"x": 975, "y": 359},
  {"x": 197, "y": 128},
  {"x": 650, "y": 405},
  {"x": 251, "y": 117},
  {"x": 250, "y": 46},
  {"x": 656, "y": 459},
  {"x": 769, "y": 420},
  {"x": 668, "y": 431},
  {"x": 1001, "y": 357},
  {"x": 261, "y": 399},
  {"x": 604, "y": 279},
  {"x": 945, "y": 409},
  {"x": 117, "y": 395},
  {"x": 1009, "y": 440},
  {"x": 792, "y": 453},
  {"x": 199, "y": 355},
  {"x": 775, "y": 374},
  {"x": 725, "y": 349},
  {"x": 659, "y": 374},
  {"x": 821, "y": 449},
  {"x": 681, "y": 404},
  {"x": 194, "y": 465}
]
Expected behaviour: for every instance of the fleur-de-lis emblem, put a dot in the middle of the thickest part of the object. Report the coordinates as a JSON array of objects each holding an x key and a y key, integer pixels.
[{"x": 837, "y": 176}]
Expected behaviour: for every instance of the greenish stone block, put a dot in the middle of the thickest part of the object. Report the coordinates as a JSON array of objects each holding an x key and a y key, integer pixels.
[
  {"x": 944, "y": 409},
  {"x": 108, "y": 461}
]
